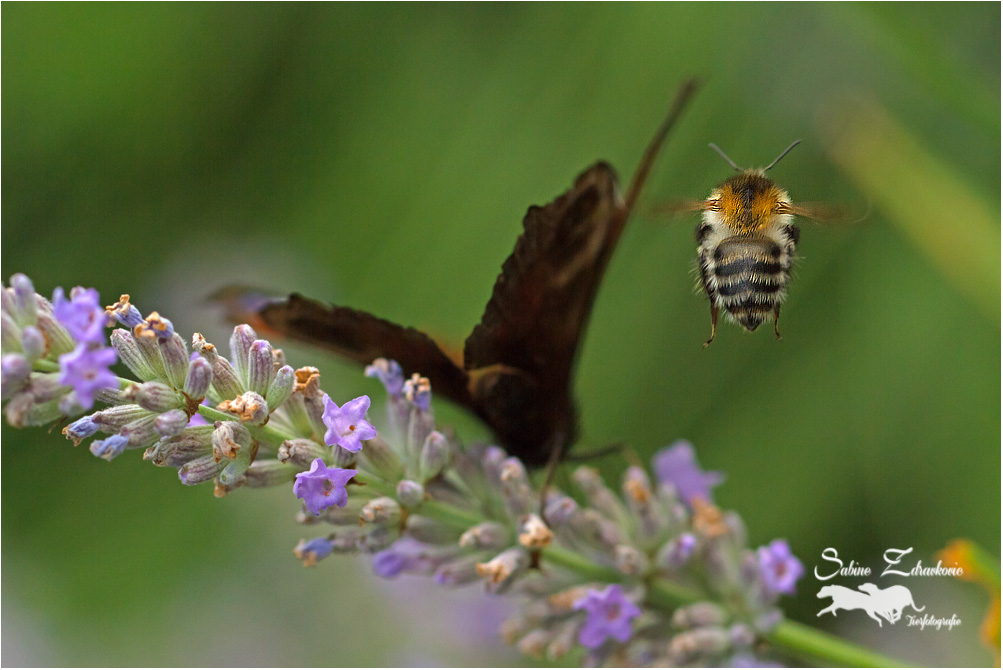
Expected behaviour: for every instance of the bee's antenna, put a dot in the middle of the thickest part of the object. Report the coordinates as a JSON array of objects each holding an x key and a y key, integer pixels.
[
  {"x": 786, "y": 151},
  {"x": 731, "y": 162}
]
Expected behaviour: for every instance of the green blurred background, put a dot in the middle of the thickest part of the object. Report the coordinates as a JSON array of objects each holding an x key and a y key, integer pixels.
[{"x": 382, "y": 157}]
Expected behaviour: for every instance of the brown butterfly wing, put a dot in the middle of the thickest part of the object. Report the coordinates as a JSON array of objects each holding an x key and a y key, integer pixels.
[
  {"x": 522, "y": 354},
  {"x": 362, "y": 337}
]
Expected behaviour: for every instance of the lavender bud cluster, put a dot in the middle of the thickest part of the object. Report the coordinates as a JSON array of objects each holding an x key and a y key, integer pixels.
[
  {"x": 648, "y": 573},
  {"x": 54, "y": 359}
]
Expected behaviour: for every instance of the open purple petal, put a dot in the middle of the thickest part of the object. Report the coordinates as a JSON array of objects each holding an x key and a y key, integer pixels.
[
  {"x": 82, "y": 315},
  {"x": 677, "y": 465},
  {"x": 779, "y": 568},
  {"x": 322, "y": 487},
  {"x": 608, "y": 614},
  {"x": 346, "y": 426},
  {"x": 86, "y": 370}
]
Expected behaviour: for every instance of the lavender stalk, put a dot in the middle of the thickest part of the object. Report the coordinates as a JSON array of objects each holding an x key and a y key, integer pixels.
[{"x": 651, "y": 573}]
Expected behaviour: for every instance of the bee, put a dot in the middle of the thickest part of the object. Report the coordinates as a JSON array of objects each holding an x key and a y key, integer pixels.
[{"x": 746, "y": 242}]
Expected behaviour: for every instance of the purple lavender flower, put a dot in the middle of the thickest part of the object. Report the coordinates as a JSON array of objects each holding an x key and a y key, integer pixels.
[
  {"x": 779, "y": 568},
  {"x": 389, "y": 372},
  {"x": 14, "y": 370},
  {"x": 608, "y": 615},
  {"x": 346, "y": 426},
  {"x": 109, "y": 447},
  {"x": 678, "y": 550},
  {"x": 125, "y": 312},
  {"x": 155, "y": 326},
  {"x": 81, "y": 429},
  {"x": 677, "y": 465},
  {"x": 418, "y": 392},
  {"x": 388, "y": 563},
  {"x": 33, "y": 343},
  {"x": 404, "y": 555},
  {"x": 86, "y": 370},
  {"x": 81, "y": 315},
  {"x": 322, "y": 487},
  {"x": 313, "y": 551}
]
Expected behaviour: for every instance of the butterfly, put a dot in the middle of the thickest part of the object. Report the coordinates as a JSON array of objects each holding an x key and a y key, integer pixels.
[{"x": 518, "y": 364}]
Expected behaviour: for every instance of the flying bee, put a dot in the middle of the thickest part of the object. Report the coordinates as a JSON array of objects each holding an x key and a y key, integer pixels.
[{"x": 745, "y": 245}]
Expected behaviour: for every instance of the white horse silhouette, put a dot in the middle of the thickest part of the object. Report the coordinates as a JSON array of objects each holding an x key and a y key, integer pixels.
[{"x": 891, "y": 601}]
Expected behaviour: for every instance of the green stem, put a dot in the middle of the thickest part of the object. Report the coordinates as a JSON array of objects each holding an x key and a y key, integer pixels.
[
  {"x": 810, "y": 643},
  {"x": 42, "y": 365},
  {"x": 375, "y": 484},
  {"x": 273, "y": 435},
  {"x": 213, "y": 414},
  {"x": 448, "y": 514},
  {"x": 663, "y": 594},
  {"x": 570, "y": 560}
]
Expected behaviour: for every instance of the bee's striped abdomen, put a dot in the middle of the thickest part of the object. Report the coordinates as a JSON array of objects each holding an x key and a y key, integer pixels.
[{"x": 749, "y": 278}]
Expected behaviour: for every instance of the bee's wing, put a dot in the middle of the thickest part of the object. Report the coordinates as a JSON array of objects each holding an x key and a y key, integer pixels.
[
  {"x": 677, "y": 207},
  {"x": 829, "y": 213}
]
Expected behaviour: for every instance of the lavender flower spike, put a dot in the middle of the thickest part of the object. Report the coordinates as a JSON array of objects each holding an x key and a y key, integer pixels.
[
  {"x": 677, "y": 465},
  {"x": 86, "y": 370},
  {"x": 322, "y": 487},
  {"x": 608, "y": 614},
  {"x": 779, "y": 568},
  {"x": 346, "y": 425}
]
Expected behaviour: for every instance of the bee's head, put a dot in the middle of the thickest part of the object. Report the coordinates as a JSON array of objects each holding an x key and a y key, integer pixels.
[{"x": 748, "y": 201}]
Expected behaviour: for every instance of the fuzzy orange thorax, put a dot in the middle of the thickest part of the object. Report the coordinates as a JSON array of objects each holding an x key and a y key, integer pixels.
[{"x": 748, "y": 202}]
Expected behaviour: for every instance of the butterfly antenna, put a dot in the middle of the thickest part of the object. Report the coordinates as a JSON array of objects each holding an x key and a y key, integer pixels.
[
  {"x": 785, "y": 152},
  {"x": 725, "y": 157},
  {"x": 682, "y": 99},
  {"x": 556, "y": 451}
]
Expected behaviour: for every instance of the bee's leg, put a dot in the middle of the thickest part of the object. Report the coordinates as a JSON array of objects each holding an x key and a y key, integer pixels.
[
  {"x": 713, "y": 323},
  {"x": 776, "y": 321}
]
